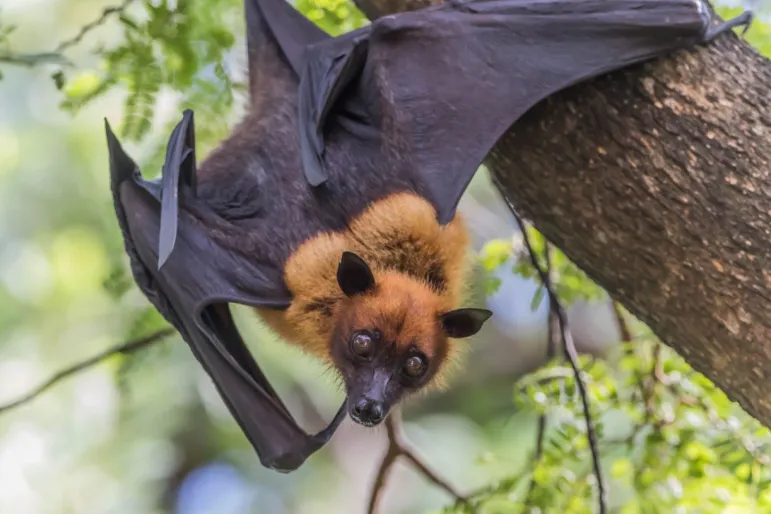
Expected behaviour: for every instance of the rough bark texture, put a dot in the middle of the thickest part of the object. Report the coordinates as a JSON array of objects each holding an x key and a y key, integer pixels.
[{"x": 656, "y": 181}]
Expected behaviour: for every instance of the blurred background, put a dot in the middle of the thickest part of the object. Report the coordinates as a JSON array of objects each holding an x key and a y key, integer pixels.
[{"x": 146, "y": 432}]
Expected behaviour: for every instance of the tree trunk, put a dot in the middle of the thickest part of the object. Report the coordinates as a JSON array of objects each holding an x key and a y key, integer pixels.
[{"x": 656, "y": 181}]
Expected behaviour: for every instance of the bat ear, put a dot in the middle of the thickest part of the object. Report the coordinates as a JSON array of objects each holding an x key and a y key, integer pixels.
[
  {"x": 353, "y": 275},
  {"x": 462, "y": 323}
]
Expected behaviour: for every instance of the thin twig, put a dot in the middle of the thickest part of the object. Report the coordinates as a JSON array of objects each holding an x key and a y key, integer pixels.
[
  {"x": 572, "y": 355},
  {"x": 385, "y": 465},
  {"x": 399, "y": 447},
  {"x": 56, "y": 56},
  {"x": 655, "y": 376},
  {"x": 643, "y": 383},
  {"x": 623, "y": 326},
  {"x": 30, "y": 60},
  {"x": 647, "y": 384},
  {"x": 569, "y": 348},
  {"x": 106, "y": 13},
  {"x": 551, "y": 347},
  {"x": 658, "y": 368},
  {"x": 128, "y": 347},
  {"x": 433, "y": 477}
]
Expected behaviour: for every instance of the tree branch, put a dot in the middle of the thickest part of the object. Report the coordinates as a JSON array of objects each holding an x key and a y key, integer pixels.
[
  {"x": 399, "y": 447},
  {"x": 125, "y": 348},
  {"x": 385, "y": 465}
]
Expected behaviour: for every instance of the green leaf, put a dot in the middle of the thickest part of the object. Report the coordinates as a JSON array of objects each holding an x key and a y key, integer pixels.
[
  {"x": 491, "y": 285},
  {"x": 117, "y": 282},
  {"x": 537, "y": 297},
  {"x": 58, "y": 78},
  {"x": 495, "y": 253},
  {"x": 128, "y": 22}
]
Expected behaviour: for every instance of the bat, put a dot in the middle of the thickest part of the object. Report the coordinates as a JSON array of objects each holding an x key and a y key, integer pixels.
[{"x": 330, "y": 209}]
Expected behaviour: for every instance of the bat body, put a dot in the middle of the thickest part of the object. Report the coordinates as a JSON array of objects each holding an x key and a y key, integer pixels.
[{"x": 330, "y": 208}]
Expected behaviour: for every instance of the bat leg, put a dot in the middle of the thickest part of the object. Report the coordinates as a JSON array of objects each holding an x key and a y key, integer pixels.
[{"x": 744, "y": 19}]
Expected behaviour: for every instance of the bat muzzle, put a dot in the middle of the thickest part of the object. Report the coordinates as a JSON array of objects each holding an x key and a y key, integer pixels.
[{"x": 368, "y": 412}]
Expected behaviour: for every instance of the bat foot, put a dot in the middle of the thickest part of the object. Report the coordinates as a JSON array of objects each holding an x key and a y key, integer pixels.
[{"x": 745, "y": 19}]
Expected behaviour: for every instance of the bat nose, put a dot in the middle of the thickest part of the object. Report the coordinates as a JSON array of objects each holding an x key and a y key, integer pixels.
[{"x": 368, "y": 412}]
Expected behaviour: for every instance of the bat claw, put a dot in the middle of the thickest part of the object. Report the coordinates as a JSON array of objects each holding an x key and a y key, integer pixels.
[
  {"x": 745, "y": 19},
  {"x": 750, "y": 19}
]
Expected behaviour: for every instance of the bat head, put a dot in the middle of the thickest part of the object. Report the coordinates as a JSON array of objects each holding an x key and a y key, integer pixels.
[{"x": 391, "y": 336}]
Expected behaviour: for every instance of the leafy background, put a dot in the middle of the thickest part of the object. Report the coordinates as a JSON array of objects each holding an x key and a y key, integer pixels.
[{"x": 147, "y": 433}]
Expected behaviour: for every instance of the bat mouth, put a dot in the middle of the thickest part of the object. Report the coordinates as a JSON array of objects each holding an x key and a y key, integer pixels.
[{"x": 364, "y": 422}]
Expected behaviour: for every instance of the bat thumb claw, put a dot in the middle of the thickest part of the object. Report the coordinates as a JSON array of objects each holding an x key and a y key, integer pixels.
[{"x": 163, "y": 257}]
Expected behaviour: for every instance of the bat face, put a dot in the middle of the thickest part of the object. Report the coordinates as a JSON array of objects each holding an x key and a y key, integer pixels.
[
  {"x": 391, "y": 337},
  {"x": 378, "y": 373}
]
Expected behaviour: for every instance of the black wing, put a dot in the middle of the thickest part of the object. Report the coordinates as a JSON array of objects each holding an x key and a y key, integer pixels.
[
  {"x": 441, "y": 85},
  {"x": 195, "y": 284}
]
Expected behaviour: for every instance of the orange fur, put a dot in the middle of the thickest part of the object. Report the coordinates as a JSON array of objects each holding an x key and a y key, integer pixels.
[{"x": 400, "y": 240}]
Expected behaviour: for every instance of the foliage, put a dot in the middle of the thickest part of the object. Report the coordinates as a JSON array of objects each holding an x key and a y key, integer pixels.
[
  {"x": 571, "y": 283},
  {"x": 687, "y": 448},
  {"x": 671, "y": 440},
  {"x": 180, "y": 45},
  {"x": 333, "y": 16},
  {"x": 5, "y": 32},
  {"x": 166, "y": 46}
]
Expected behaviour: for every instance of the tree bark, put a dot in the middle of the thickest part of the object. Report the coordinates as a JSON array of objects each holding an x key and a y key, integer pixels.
[{"x": 656, "y": 181}]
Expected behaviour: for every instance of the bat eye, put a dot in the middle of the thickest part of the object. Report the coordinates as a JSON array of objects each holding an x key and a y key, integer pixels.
[
  {"x": 415, "y": 366},
  {"x": 362, "y": 344}
]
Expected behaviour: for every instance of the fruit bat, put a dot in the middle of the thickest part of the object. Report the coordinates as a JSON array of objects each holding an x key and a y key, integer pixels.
[{"x": 332, "y": 205}]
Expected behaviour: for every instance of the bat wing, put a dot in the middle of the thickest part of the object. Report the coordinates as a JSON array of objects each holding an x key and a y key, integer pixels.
[
  {"x": 441, "y": 85},
  {"x": 199, "y": 277}
]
